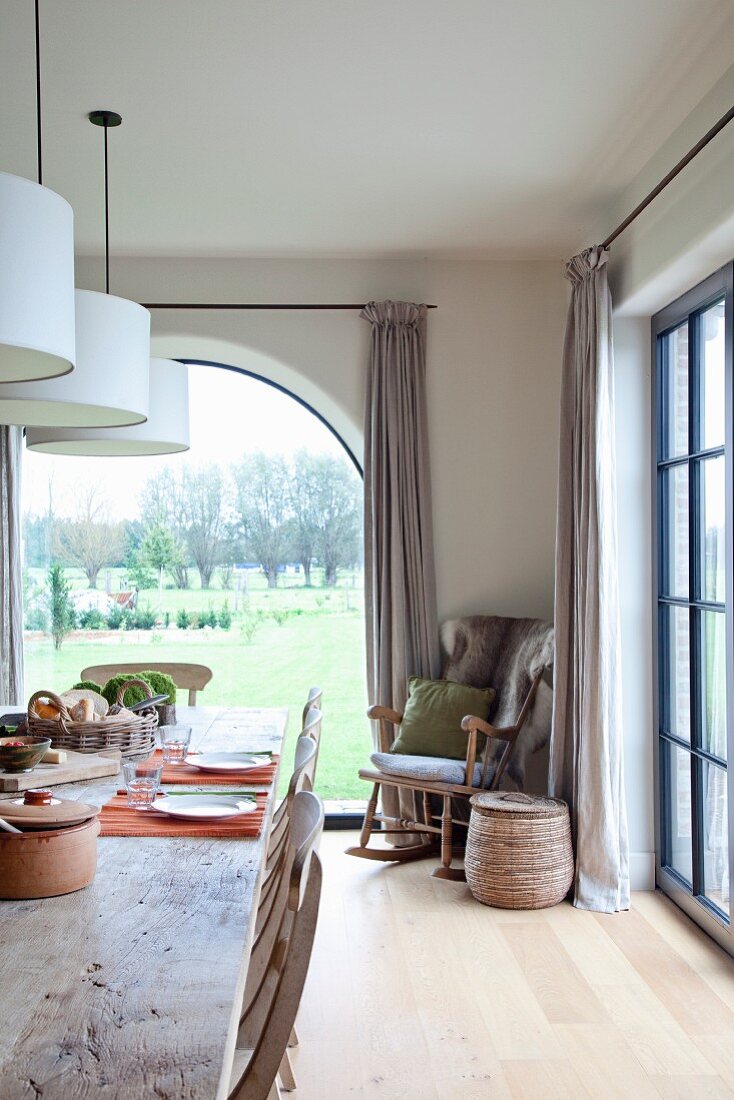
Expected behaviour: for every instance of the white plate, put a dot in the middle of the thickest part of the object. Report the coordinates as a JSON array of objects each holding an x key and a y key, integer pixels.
[
  {"x": 204, "y": 807},
  {"x": 227, "y": 761}
]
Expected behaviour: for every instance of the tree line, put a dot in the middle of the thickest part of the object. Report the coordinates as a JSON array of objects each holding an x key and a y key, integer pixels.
[{"x": 268, "y": 510}]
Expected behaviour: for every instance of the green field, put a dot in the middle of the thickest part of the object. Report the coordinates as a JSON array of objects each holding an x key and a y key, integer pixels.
[{"x": 323, "y": 644}]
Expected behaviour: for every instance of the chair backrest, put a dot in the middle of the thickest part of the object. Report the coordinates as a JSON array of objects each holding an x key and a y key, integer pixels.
[
  {"x": 315, "y": 695},
  {"x": 504, "y": 653},
  {"x": 312, "y": 732},
  {"x": 193, "y": 677},
  {"x": 267, "y": 1025},
  {"x": 304, "y": 767},
  {"x": 301, "y": 779}
]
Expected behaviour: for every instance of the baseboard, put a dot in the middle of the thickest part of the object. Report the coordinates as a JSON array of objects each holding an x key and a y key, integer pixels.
[{"x": 642, "y": 870}]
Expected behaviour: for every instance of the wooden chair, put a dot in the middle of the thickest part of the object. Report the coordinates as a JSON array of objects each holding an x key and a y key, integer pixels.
[
  {"x": 315, "y": 695},
  {"x": 268, "y": 1016},
  {"x": 312, "y": 730},
  {"x": 193, "y": 677},
  {"x": 442, "y": 782},
  {"x": 301, "y": 780}
]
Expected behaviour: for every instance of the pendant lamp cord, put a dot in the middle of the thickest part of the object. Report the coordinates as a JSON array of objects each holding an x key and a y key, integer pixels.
[
  {"x": 38, "y": 97},
  {"x": 106, "y": 218}
]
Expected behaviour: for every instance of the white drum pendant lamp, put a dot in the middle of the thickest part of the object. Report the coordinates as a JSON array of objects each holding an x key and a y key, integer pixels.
[
  {"x": 165, "y": 432},
  {"x": 109, "y": 386},
  {"x": 36, "y": 272}
]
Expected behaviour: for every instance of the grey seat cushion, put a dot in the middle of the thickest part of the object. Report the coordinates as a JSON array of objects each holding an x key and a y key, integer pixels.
[{"x": 432, "y": 769}]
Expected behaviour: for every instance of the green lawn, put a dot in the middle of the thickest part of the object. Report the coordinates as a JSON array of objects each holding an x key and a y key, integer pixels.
[{"x": 323, "y": 645}]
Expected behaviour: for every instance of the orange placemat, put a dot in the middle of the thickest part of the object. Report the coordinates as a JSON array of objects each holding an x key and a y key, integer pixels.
[
  {"x": 186, "y": 775},
  {"x": 117, "y": 819}
]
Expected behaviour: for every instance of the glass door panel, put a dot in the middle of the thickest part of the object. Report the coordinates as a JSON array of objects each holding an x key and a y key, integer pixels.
[
  {"x": 678, "y": 854},
  {"x": 695, "y": 643},
  {"x": 674, "y": 565},
  {"x": 712, "y": 663},
  {"x": 715, "y": 835},
  {"x": 676, "y": 706}
]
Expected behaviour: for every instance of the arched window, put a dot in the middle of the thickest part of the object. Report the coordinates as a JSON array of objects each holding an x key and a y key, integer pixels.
[{"x": 244, "y": 554}]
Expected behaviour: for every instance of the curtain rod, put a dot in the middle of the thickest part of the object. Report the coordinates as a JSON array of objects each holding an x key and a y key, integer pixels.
[
  {"x": 255, "y": 305},
  {"x": 715, "y": 129}
]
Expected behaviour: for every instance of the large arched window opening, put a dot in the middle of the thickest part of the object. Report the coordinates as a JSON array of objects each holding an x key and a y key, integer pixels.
[{"x": 244, "y": 554}]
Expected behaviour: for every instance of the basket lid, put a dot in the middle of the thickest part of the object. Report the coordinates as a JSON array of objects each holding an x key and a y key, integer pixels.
[{"x": 518, "y": 804}]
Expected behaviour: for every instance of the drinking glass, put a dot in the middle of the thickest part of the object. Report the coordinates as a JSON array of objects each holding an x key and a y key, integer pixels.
[
  {"x": 142, "y": 781},
  {"x": 174, "y": 743}
]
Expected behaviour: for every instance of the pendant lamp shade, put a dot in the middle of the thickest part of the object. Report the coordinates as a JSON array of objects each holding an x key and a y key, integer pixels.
[
  {"x": 108, "y": 387},
  {"x": 36, "y": 282},
  {"x": 165, "y": 432}
]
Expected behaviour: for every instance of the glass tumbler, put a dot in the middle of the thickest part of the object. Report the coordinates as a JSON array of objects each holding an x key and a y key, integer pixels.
[
  {"x": 142, "y": 781},
  {"x": 174, "y": 743}
]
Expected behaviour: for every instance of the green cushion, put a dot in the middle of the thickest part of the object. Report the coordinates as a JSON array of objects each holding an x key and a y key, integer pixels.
[{"x": 431, "y": 724}]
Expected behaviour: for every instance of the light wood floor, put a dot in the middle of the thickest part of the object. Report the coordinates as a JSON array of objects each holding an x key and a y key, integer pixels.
[{"x": 417, "y": 992}]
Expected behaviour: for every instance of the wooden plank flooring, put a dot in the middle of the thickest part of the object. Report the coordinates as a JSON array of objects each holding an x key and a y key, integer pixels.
[{"x": 416, "y": 992}]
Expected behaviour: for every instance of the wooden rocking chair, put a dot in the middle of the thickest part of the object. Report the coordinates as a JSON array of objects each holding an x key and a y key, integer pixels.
[{"x": 428, "y": 779}]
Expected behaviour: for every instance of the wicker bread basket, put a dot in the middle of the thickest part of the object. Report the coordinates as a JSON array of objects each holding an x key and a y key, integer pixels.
[
  {"x": 518, "y": 851},
  {"x": 133, "y": 735}
]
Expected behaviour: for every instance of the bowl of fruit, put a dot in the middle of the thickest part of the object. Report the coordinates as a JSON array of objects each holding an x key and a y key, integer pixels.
[{"x": 20, "y": 752}]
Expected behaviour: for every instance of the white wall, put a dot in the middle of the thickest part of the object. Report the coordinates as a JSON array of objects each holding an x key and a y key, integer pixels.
[
  {"x": 632, "y": 371},
  {"x": 494, "y": 347}
]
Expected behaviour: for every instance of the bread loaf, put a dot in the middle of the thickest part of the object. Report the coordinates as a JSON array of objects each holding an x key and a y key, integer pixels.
[
  {"x": 47, "y": 710},
  {"x": 83, "y": 711}
]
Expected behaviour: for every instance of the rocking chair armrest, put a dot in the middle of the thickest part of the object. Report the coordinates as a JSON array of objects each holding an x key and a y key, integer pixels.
[
  {"x": 383, "y": 715},
  {"x": 471, "y": 724},
  {"x": 377, "y": 712},
  {"x": 471, "y": 757}
]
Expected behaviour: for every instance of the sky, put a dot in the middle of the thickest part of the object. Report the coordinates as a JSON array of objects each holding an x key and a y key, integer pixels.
[{"x": 230, "y": 414}]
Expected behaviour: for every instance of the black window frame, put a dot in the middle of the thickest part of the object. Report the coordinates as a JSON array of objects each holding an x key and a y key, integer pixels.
[{"x": 688, "y": 309}]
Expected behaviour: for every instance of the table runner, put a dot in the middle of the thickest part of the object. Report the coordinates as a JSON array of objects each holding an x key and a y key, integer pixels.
[
  {"x": 184, "y": 774},
  {"x": 116, "y": 818}
]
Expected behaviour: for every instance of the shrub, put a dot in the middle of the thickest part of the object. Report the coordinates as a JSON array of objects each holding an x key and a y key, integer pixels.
[
  {"x": 209, "y": 618},
  {"x": 281, "y": 615},
  {"x": 183, "y": 619},
  {"x": 225, "y": 616},
  {"x": 36, "y": 619},
  {"x": 115, "y": 617},
  {"x": 161, "y": 683},
  {"x": 87, "y": 685},
  {"x": 143, "y": 618},
  {"x": 92, "y": 620},
  {"x": 250, "y": 623},
  {"x": 167, "y": 619},
  {"x": 128, "y": 619},
  {"x": 133, "y": 694}
]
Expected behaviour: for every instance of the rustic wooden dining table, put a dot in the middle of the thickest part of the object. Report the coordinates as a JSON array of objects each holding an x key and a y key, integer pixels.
[{"x": 131, "y": 988}]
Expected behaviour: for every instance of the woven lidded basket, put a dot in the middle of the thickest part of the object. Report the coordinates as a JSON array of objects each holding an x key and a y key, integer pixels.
[
  {"x": 518, "y": 851},
  {"x": 133, "y": 735}
]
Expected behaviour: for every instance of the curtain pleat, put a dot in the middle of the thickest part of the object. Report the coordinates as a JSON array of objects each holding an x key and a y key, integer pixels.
[
  {"x": 11, "y": 577},
  {"x": 586, "y": 764}
]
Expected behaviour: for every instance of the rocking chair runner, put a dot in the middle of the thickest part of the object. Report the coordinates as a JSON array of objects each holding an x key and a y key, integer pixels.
[{"x": 480, "y": 647}]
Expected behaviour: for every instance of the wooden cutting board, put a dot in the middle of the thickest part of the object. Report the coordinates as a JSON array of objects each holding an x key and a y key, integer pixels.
[{"x": 76, "y": 767}]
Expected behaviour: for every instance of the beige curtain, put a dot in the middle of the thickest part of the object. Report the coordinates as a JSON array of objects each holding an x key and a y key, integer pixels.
[
  {"x": 11, "y": 581},
  {"x": 586, "y": 766},
  {"x": 400, "y": 591}
]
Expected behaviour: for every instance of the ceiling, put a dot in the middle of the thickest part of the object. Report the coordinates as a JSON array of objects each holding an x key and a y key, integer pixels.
[{"x": 342, "y": 127}]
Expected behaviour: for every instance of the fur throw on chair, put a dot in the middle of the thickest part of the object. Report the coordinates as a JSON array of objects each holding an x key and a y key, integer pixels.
[{"x": 506, "y": 654}]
